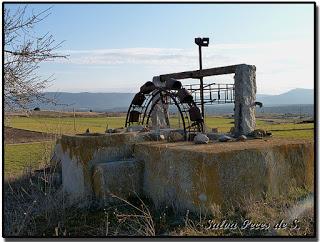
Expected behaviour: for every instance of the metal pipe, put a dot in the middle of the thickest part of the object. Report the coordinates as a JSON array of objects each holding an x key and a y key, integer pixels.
[{"x": 201, "y": 83}]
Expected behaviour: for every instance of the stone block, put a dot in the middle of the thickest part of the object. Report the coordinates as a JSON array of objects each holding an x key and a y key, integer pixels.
[
  {"x": 117, "y": 180},
  {"x": 77, "y": 155}
]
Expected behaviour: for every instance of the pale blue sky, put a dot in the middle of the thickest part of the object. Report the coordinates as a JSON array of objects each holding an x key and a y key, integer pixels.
[{"x": 118, "y": 47}]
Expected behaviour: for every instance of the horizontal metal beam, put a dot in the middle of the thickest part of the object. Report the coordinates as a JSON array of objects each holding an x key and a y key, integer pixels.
[{"x": 203, "y": 73}]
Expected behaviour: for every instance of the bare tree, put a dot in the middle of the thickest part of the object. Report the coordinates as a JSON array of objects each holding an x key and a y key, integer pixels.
[{"x": 24, "y": 50}]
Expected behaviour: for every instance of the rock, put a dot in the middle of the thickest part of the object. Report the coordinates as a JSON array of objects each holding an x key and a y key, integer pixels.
[
  {"x": 259, "y": 133},
  {"x": 201, "y": 139},
  {"x": 136, "y": 128},
  {"x": 214, "y": 136},
  {"x": 242, "y": 138},
  {"x": 175, "y": 137},
  {"x": 224, "y": 138}
]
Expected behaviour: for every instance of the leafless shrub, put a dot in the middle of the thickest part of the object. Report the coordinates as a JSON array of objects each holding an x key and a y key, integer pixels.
[{"x": 140, "y": 219}]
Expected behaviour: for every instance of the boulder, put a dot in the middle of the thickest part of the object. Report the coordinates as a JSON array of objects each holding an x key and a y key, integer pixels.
[
  {"x": 214, "y": 136},
  {"x": 259, "y": 133},
  {"x": 175, "y": 137},
  {"x": 225, "y": 138},
  {"x": 201, "y": 139}
]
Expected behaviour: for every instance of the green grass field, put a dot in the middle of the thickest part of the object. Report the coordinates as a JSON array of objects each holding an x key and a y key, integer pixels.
[
  {"x": 19, "y": 157},
  {"x": 67, "y": 125}
]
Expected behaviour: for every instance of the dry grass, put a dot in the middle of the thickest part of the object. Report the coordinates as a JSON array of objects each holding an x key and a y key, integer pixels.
[{"x": 35, "y": 205}]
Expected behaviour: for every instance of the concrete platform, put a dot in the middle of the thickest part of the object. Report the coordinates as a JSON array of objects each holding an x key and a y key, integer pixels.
[
  {"x": 188, "y": 176},
  {"x": 182, "y": 174}
]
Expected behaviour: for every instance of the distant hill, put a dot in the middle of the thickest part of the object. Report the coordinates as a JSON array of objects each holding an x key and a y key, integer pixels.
[
  {"x": 85, "y": 101},
  {"x": 294, "y": 96}
]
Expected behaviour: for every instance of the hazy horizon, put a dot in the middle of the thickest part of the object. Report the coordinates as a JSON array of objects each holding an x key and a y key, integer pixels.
[{"x": 106, "y": 91}]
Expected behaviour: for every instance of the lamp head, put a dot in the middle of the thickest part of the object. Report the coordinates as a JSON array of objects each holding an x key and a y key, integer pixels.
[{"x": 202, "y": 41}]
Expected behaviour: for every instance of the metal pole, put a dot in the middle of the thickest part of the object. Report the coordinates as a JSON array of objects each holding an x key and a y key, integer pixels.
[
  {"x": 201, "y": 83},
  {"x": 74, "y": 121}
]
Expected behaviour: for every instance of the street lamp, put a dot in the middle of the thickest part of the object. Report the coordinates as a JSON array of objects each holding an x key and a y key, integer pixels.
[{"x": 205, "y": 43}]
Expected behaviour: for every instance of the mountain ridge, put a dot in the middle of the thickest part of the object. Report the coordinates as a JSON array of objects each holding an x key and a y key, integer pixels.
[{"x": 104, "y": 101}]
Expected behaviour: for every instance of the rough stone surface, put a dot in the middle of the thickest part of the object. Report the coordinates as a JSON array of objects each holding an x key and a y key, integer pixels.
[
  {"x": 245, "y": 97},
  {"x": 201, "y": 139},
  {"x": 185, "y": 177},
  {"x": 117, "y": 180}
]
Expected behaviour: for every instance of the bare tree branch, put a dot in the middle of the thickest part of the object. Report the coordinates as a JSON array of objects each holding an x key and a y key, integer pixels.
[{"x": 23, "y": 52}]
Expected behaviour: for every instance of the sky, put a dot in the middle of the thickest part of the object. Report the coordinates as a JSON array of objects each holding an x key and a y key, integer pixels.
[{"x": 118, "y": 47}]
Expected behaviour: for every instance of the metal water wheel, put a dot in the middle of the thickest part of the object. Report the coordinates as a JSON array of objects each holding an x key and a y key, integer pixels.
[{"x": 171, "y": 98}]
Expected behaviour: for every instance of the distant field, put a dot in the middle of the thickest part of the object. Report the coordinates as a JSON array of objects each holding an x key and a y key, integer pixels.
[{"x": 66, "y": 125}]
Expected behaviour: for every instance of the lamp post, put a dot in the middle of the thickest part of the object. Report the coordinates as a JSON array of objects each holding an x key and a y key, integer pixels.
[{"x": 201, "y": 42}]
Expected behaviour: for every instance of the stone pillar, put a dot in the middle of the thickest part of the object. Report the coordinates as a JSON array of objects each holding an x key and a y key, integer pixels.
[
  {"x": 160, "y": 113},
  {"x": 245, "y": 97}
]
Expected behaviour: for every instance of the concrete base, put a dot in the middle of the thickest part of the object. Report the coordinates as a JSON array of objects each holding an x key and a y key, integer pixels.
[
  {"x": 186, "y": 176},
  {"x": 183, "y": 175},
  {"x": 79, "y": 155}
]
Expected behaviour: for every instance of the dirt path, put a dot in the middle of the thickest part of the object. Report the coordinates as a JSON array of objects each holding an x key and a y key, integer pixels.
[{"x": 14, "y": 136}]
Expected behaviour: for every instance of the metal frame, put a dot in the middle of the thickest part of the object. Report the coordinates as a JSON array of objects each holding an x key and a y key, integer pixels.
[
  {"x": 213, "y": 93},
  {"x": 158, "y": 96}
]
